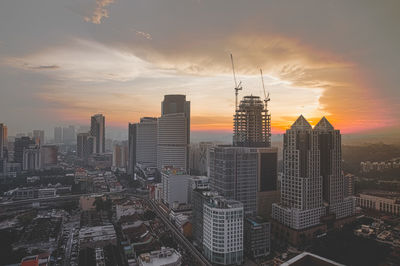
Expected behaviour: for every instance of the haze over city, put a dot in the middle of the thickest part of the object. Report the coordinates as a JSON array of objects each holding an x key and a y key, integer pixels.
[{"x": 61, "y": 61}]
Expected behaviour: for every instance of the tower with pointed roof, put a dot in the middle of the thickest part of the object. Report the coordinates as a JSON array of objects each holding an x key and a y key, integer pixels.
[{"x": 312, "y": 181}]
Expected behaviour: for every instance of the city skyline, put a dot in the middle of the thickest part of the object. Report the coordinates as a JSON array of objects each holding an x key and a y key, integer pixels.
[{"x": 84, "y": 54}]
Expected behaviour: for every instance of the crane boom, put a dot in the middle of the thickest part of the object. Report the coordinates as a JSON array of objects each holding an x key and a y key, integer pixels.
[
  {"x": 237, "y": 86},
  {"x": 266, "y": 96}
]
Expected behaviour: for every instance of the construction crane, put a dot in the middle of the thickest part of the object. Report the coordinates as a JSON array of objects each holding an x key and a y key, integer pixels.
[
  {"x": 266, "y": 96},
  {"x": 237, "y": 86}
]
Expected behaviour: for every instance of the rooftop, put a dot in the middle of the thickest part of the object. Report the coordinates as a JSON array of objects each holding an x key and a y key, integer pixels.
[{"x": 309, "y": 259}]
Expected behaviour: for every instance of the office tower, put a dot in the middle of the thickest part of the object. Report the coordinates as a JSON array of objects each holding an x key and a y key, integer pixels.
[
  {"x": 132, "y": 148},
  {"x": 97, "y": 129},
  {"x": 19, "y": 145},
  {"x": 31, "y": 160},
  {"x": 173, "y": 137},
  {"x": 49, "y": 155},
  {"x": 68, "y": 135},
  {"x": 120, "y": 152},
  {"x": 3, "y": 140},
  {"x": 58, "y": 135},
  {"x": 146, "y": 141},
  {"x": 252, "y": 123},
  {"x": 257, "y": 237},
  {"x": 175, "y": 186},
  {"x": 38, "y": 137},
  {"x": 197, "y": 182},
  {"x": 223, "y": 231},
  {"x": 312, "y": 182},
  {"x": 85, "y": 145}
]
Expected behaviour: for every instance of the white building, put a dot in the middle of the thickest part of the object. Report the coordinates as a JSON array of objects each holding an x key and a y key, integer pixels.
[
  {"x": 382, "y": 204},
  {"x": 163, "y": 257},
  {"x": 173, "y": 136},
  {"x": 175, "y": 186},
  {"x": 223, "y": 231},
  {"x": 32, "y": 159},
  {"x": 312, "y": 184}
]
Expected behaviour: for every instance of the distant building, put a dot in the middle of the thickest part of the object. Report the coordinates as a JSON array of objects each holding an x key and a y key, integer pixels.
[
  {"x": 163, "y": 257},
  {"x": 38, "y": 137},
  {"x": 58, "y": 135},
  {"x": 68, "y": 135},
  {"x": 381, "y": 204},
  {"x": 223, "y": 231},
  {"x": 32, "y": 160},
  {"x": 132, "y": 133},
  {"x": 97, "y": 129},
  {"x": 97, "y": 236},
  {"x": 349, "y": 185},
  {"x": 3, "y": 140},
  {"x": 197, "y": 182},
  {"x": 173, "y": 136},
  {"x": 85, "y": 145},
  {"x": 146, "y": 141},
  {"x": 257, "y": 237},
  {"x": 100, "y": 161},
  {"x": 200, "y": 158},
  {"x": 120, "y": 154},
  {"x": 19, "y": 145},
  {"x": 49, "y": 156},
  {"x": 175, "y": 186}
]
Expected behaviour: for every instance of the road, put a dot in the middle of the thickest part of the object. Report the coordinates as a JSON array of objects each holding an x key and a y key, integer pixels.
[{"x": 186, "y": 243}]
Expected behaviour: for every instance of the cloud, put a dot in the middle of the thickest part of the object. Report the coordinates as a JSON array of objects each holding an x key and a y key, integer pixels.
[
  {"x": 100, "y": 11},
  {"x": 46, "y": 67},
  {"x": 143, "y": 34}
]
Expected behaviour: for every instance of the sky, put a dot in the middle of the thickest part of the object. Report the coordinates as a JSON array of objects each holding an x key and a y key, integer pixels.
[{"x": 62, "y": 61}]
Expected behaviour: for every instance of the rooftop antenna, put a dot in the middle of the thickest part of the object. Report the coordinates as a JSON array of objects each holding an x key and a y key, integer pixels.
[
  {"x": 266, "y": 96},
  {"x": 237, "y": 86}
]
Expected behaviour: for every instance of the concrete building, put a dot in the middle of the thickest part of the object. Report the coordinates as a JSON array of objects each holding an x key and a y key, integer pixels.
[
  {"x": 120, "y": 154},
  {"x": 19, "y": 145},
  {"x": 85, "y": 145},
  {"x": 146, "y": 141},
  {"x": 68, "y": 135},
  {"x": 49, "y": 156},
  {"x": 175, "y": 186},
  {"x": 223, "y": 231},
  {"x": 312, "y": 182},
  {"x": 3, "y": 140},
  {"x": 97, "y": 236},
  {"x": 200, "y": 158},
  {"x": 132, "y": 135},
  {"x": 98, "y": 130},
  {"x": 163, "y": 257},
  {"x": 257, "y": 237},
  {"x": 173, "y": 133},
  {"x": 199, "y": 197},
  {"x": 381, "y": 204},
  {"x": 32, "y": 160},
  {"x": 199, "y": 183},
  {"x": 38, "y": 137},
  {"x": 252, "y": 123},
  {"x": 349, "y": 185},
  {"x": 58, "y": 135}
]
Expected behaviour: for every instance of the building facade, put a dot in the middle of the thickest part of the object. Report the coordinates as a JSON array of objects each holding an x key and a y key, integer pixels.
[
  {"x": 257, "y": 237},
  {"x": 146, "y": 141},
  {"x": 97, "y": 129},
  {"x": 173, "y": 136},
  {"x": 85, "y": 145},
  {"x": 223, "y": 231},
  {"x": 175, "y": 186}
]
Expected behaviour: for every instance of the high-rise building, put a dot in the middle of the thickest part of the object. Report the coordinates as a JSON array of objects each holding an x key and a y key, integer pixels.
[
  {"x": 97, "y": 129},
  {"x": 19, "y": 145},
  {"x": 197, "y": 183},
  {"x": 31, "y": 158},
  {"x": 38, "y": 137},
  {"x": 3, "y": 140},
  {"x": 68, "y": 135},
  {"x": 223, "y": 231},
  {"x": 175, "y": 186},
  {"x": 200, "y": 157},
  {"x": 252, "y": 123},
  {"x": 257, "y": 237},
  {"x": 49, "y": 155},
  {"x": 146, "y": 141},
  {"x": 132, "y": 148},
  {"x": 173, "y": 137},
  {"x": 120, "y": 153},
  {"x": 312, "y": 182},
  {"x": 85, "y": 145},
  {"x": 247, "y": 171},
  {"x": 58, "y": 135}
]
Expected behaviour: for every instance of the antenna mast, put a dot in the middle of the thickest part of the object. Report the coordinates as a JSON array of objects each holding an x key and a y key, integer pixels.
[
  {"x": 266, "y": 96},
  {"x": 237, "y": 86}
]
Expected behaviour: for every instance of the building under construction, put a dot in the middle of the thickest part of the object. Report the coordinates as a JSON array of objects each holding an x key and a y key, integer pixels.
[{"x": 252, "y": 123}]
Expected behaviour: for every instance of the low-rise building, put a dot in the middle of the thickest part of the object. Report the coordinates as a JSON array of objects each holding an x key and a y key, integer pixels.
[
  {"x": 97, "y": 236},
  {"x": 382, "y": 204},
  {"x": 257, "y": 237},
  {"x": 163, "y": 257}
]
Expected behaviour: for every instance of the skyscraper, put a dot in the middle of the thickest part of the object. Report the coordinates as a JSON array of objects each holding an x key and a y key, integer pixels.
[
  {"x": 146, "y": 141},
  {"x": 68, "y": 135},
  {"x": 19, "y": 145},
  {"x": 57, "y": 135},
  {"x": 3, "y": 140},
  {"x": 97, "y": 129},
  {"x": 85, "y": 145},
  {"x": 173, "y": 137},
  {"x": 312, "y": 181}
]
